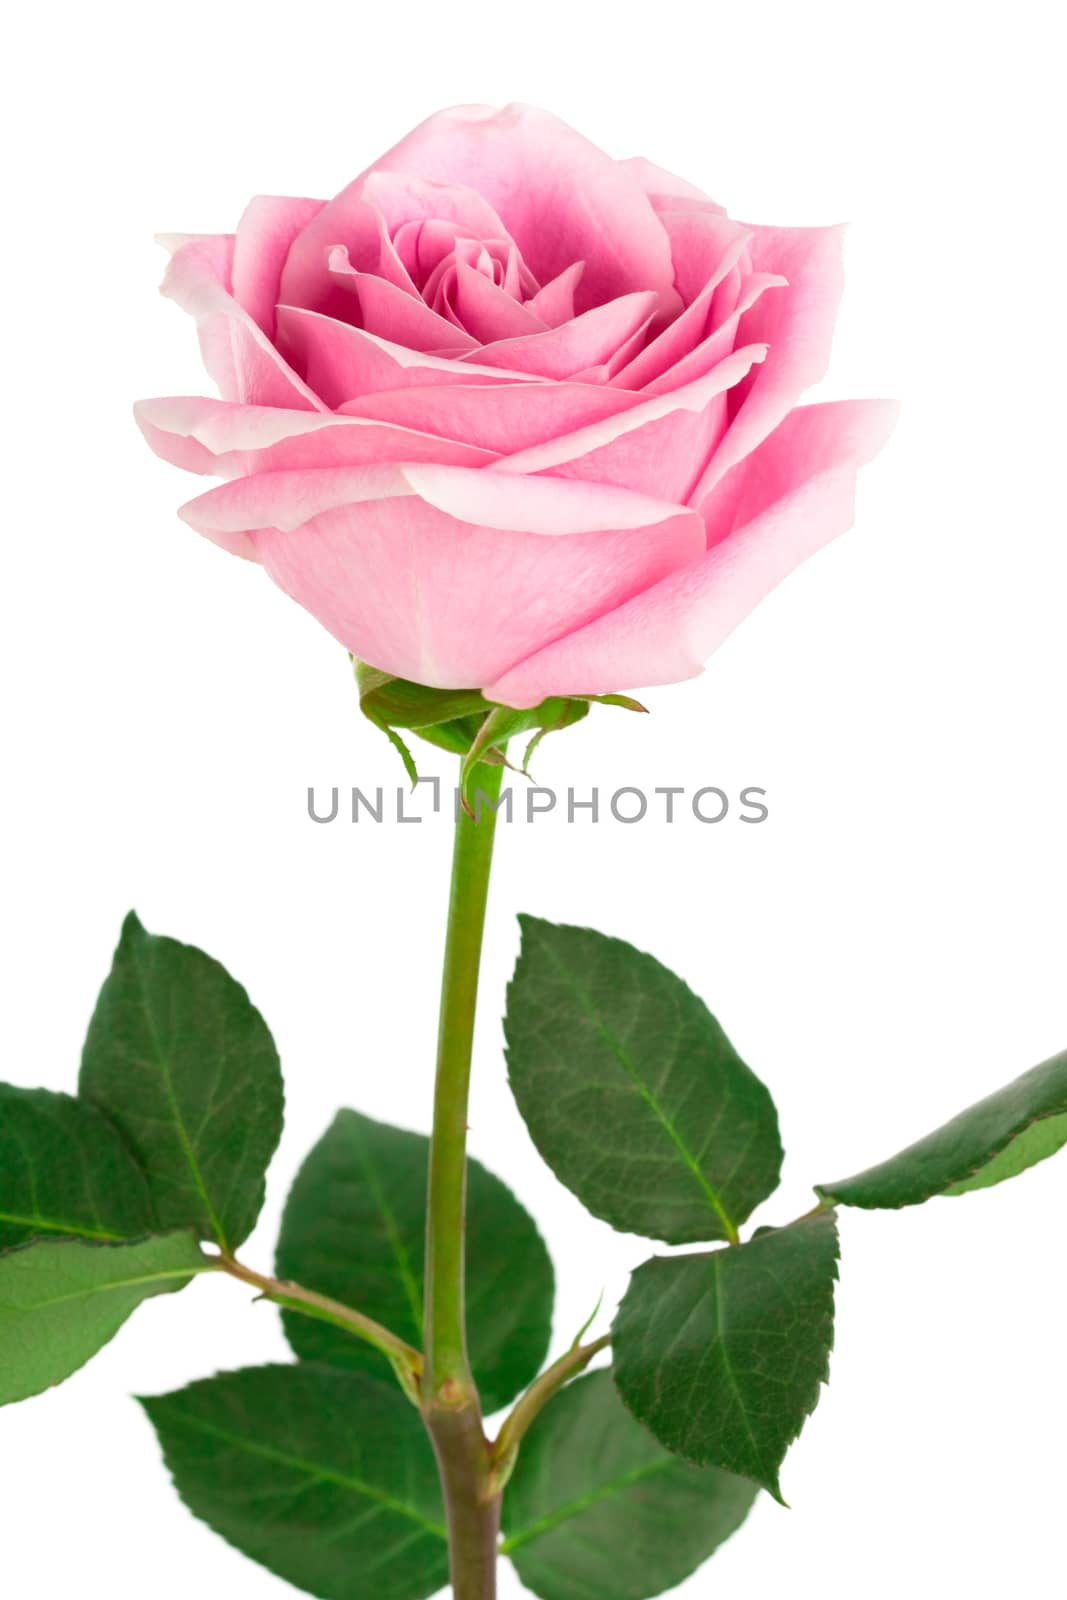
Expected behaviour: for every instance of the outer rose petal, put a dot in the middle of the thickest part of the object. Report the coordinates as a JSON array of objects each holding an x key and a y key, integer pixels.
[
  {"x": 237, "y": 353},
  {"x": 811, "y": 440},
  {"x": 399, "y": 197},
  {"x": 214, "y": 436},
  {"x": 659, "y": 446},
  {"x": 658, "y": 182},
  {"x": 797, "y": 323},
  {"x": 561, "y": 198},
  {"x": 666, "y": 633},
  {"x": 264, "y": 235},
  {"x": 445, "y": 575}
]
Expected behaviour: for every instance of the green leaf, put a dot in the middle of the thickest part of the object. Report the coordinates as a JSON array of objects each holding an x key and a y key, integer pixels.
[
  {"x": 597, "y": 1510},
  {"x": 61, "y": 1300},
  {"x": 184, "y": 1065},
  {"x": 324, "y": 1477},
  {"x": 998, "y": 1138},
  {"x": 723, "y": 1355},
  {"x": 65, "y": 1170},
  {"x": 353, "y": 1229},
  {"x": 632, "y": 1092}
]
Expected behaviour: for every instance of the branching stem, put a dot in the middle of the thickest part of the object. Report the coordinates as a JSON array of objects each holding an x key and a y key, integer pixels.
[
  {"x": 532, "y": 1402},
  {"x": 406, "y": 1361}
]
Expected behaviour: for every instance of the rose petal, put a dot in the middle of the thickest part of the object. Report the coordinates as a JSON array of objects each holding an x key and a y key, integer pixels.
[
  {"x": 797, "y": 324},
  {"x": 687, "y": 330},
  {"x": 348, "y": 362},
  {"x": 667, "y": 633},
  {"x": 237, "y": 353},
  {"x": 657, "y": 181},
  {"x": 421, "y": 244},
  {"x": 353, "y": 219},
  {"x": 561, "y": 198},
  {"x": 659, "y": 446},
  {"x": 215, "y": 436},
  {"x": 718, "y": 344},
  {"x": 424, "y": 244},
  {"x": 264, "y": 235},
  {"x": 704, "y": 244},
  {"x": 607, "y": 371},
  {"x": 506, "y": 417},
  {"x": 555, "y": 302},
  {"x": 811, "y": 440},
  {"x": 399, "y": 197},
  {"x": 590, "y": 338},
  {"x": 443, "y": 575},
  {"x": 391, "y": 314},
  {"x": 390, "y": 265},
  {"x": 488, "y": 313}
]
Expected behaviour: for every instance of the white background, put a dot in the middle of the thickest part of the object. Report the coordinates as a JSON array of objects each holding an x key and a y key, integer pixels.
[{"x": 886, "y": 948}]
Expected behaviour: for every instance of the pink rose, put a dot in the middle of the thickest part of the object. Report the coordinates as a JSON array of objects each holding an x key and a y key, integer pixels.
[{"x": 508, "y": 414}]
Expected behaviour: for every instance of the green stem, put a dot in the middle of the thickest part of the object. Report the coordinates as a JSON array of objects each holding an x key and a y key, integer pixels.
[
  {"x": 472, "y": 1501},
  {"x": 533, "y": 1402},
  {"x": 407, "y": 1362},
  {"x": 450, "y": 1404},
  {"x": 447, "y": 1373}
]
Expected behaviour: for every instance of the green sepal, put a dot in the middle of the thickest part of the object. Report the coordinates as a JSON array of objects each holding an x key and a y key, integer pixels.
[
  {"x": 999, "y": 1137},
  {"x": 625, "y": 702},
  {"x": 504, "y": 723},
  {"x": 463, "y": 721},
  {"x": 447, "y": 718},
  {"x": 402, "y": 704}
]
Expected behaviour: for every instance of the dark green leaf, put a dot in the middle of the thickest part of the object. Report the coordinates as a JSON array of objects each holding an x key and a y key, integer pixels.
[
  {"x": 353, "y": 1229},
  {"x": 632, "y": 1092},
  {"x": 324, "y": 1477},
  {"x": 597, "y": 1510},
  {"x": 998, "y": 1138},
  {"x": 65, "y": 1170},
  {"x": 61, "y": 1300},
  {"x": 722, "y": 1356},
  {"x": 184, "y": 1065}
]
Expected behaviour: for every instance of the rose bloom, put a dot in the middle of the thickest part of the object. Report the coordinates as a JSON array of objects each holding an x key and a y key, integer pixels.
[{"x": 510, "y": 415}]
